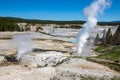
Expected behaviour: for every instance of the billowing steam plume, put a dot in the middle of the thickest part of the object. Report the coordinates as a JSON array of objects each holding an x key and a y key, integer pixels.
[
  {"x": 23, "y": 43},
  {"x": 91, "y": 12}
]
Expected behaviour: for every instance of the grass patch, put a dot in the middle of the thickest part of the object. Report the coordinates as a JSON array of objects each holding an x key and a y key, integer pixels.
[
  {"x": 100, "y": 48},
  {"x": 116, "y": 48},
  {"x": 111, "y": 53}
]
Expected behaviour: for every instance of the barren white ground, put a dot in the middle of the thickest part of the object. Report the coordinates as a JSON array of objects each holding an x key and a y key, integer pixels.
[
  {"x": 68, "y": 70},
  {"x": 72, "y": 67}
]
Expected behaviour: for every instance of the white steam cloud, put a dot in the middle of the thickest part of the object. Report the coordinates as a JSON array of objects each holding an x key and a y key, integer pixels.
[
  {"x": 23, "y": 43},
  {"x": 98, "y": 6}
]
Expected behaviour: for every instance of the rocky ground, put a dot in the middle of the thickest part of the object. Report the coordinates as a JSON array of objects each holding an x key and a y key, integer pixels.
[
  {"x": 52, "y": 58},
  {"x": 73, "y": 69}
]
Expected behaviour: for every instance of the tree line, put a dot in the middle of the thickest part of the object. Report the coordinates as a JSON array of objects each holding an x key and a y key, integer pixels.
[
  {"x": 35, "y": 21},
  {"x": 9, "y": 27},
  {"x": 10, "y": 23},
  {"x": 109, "y": 38}
]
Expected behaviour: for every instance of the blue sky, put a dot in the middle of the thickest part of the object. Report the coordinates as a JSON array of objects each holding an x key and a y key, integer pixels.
[{"x": 55, "y": 9}]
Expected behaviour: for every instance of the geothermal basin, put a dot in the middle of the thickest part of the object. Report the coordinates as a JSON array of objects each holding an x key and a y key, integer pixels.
[{"x": 51, "y": 58}]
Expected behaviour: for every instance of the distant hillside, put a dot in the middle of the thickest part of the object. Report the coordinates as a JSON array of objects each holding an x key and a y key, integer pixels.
[
  {"x": 35, "y": 21},
  {"x": 116, "y": 21},
  {"x": 109, "y": 23}
]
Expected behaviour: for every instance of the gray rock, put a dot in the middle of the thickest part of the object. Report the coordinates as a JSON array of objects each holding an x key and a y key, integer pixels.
[
  {"x": 6, "y": 52},
  {"x": 2, "y": 59},
  {"x": 44, "y": 59}
]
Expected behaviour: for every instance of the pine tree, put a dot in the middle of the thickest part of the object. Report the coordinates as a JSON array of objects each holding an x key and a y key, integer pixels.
[
  {"x": 104, "y": 37},
  {"x": 109, "y": 37},
  {"x": 116, "y": 37},
  {"x": 97, "y": 39}
]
